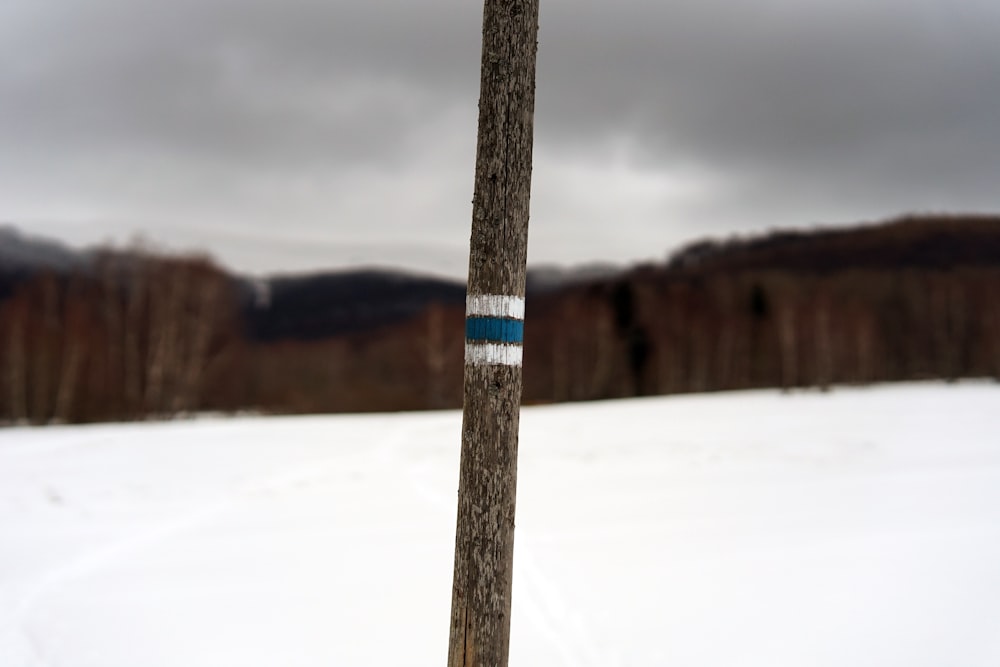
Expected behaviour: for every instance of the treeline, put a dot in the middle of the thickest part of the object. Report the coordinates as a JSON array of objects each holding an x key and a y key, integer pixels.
[
  {"x": 140, "y": 335},
  {"x": 135, "y": 335},
  {"x": 663, "y": 332}
]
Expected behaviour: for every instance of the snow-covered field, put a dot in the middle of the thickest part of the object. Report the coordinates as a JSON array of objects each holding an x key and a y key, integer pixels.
[{"x": 860, "y": 527}]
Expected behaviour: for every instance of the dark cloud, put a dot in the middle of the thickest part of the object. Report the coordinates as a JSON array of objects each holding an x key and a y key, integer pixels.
[
  {"x": 293, "y": 81},
  {"x": 355, "y": 120},
  {"x": 892, "y": 94}
]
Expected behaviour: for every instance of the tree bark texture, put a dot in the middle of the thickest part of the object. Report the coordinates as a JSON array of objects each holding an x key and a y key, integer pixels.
[{"x": 484, "y": 542}]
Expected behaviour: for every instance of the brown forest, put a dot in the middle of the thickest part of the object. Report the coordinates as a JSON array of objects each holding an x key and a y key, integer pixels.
[{"x": 139, "y": 335}]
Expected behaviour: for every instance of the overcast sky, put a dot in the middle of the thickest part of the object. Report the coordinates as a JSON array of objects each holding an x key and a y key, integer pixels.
[{"x": 285, "y": 135}]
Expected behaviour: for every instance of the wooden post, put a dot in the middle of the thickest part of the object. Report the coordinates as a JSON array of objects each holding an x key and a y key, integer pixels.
[{"x": 484, "y": 539}]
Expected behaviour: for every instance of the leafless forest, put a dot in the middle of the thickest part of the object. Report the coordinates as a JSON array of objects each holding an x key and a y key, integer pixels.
[{"x": 138, "y": 335}]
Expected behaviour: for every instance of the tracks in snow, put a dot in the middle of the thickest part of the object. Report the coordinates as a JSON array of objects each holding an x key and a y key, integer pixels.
[{"x": 548, "y": 611}]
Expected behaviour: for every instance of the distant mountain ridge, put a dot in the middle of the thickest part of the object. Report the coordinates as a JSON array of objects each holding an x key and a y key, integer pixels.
[
  {"x": 24, "y": 255},
  {"x": 925, "y": 242},
  {"x": 136, "y": 334},
  {"x": 321, "y": 305},
  {"x": 313, "y": 307},
  {"x": 310, "y": 306},
  {"x": 29, "y": 253}
]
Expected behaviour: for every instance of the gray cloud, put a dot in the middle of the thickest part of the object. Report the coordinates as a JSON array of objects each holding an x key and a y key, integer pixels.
[
  {"x": 896, "y": 91},
  {"x": 292, "y": 81},
  {"x": 351, "y": 124}
]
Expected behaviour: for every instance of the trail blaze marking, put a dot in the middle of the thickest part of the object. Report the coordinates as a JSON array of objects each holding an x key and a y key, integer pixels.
[{"x": 494, "y": 330}]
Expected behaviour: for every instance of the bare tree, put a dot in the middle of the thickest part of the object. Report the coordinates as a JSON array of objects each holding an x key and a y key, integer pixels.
[
  {"x": 435, "y": 354},
  {"x": 788, "y": 342},
  {"x": 75, "y": 338},
  {"x": 484, "y": 539},
  {"x": 16, "y": 350},
  {"x": 132, "y": 333}
]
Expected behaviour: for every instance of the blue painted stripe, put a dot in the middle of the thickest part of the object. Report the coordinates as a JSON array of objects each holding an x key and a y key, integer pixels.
[{"x": 494, "y": 330}]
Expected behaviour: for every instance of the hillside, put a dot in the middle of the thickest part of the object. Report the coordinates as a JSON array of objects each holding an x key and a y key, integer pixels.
[
  {"x": 133, "y": 334},
  {"x": 917, "y": 242},
  {"x": 857, "y": 527}
]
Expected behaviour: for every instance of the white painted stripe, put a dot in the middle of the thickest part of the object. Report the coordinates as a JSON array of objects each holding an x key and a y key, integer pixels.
[
  {"x": 492, "y": 354},
  {"x": 494, "y": 305}
]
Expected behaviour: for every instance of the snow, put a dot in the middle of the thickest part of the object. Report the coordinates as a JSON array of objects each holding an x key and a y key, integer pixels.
[{"x": 859, "y": 527}]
